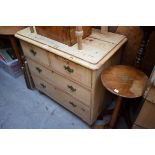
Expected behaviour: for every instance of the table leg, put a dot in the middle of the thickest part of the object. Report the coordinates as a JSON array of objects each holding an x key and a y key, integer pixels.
[
  {"x": 24, "y": 65},
  {"x": 115, "y": 112},
  {"x": 16, "y": 49},
  {"x": 126, "y": 113}
]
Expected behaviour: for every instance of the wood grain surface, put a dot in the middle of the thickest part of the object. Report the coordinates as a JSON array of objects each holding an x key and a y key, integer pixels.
[
  {"x": 64, "y": 34},
  {"x": 124, "y": 81},
  {"x": 96, "y": 48}
]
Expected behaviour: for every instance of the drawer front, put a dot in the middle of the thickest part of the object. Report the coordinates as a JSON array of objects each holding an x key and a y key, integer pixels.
[
  {"x": 64, "y": 99},
  {"x": 71, "y": 70},
  {"x": 62, "y": 83},
  {"x": 35, "y": 53}
]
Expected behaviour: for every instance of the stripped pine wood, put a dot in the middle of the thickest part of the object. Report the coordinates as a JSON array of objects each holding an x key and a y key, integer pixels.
[
  {"x": 35, "y": 53},
  {"x": 71, "y": 70},
  {"x": 100, "y": 94},
  {"x": 72, "y": 76},
  {"x": 63, "y": 98},
  {"x": 79, "y": 34},
  {"x": 70, "y": 57},
  {"x": 62, "y": 83},
  {"x": 94, "y": 48}
]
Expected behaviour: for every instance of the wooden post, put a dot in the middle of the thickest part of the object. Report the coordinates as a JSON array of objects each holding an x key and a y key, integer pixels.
[
  {"x": 24, "y": 65},
  {"x": 115, "y": 112},
  {"x": 79, "y": 34},
  {"x": 33, "y": 29},
  {"x": 16, "y": 49},
  {"x": 29, "y": 80},
  {"x": 104, "y": 29}
]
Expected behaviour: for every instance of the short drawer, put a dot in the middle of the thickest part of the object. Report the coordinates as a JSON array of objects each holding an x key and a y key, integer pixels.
[
  {"x": 35, "y": 53},
  {"x": 63, "y": 98},
  {"x": 71, "y": 70},
  {"x": 62, "y": 83}
]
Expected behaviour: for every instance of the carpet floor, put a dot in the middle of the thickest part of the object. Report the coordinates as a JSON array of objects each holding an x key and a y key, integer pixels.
[{"x": 21, "y": 108}]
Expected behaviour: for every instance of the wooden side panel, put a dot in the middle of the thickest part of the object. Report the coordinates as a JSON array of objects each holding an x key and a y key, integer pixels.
[
  {"x": 101, "y": 97},
  {"x": 35, "y": 53},
  {"x": 63, "y": 98},
  {"x": 64, "y": 34},
  {"x": 62, "y": 83},
  {"x": 71, "y": 70}
]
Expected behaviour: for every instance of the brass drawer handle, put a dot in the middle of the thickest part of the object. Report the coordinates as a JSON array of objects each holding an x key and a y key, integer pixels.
[
  {"x": 74, "y": 105},
  {"x": 71, "y": 88},
  {"x": 43, "y": 86},
  {"x": 33, "y": 52},
  {"x": 38, "y": 69},
  {"x": 67, "y": 68}
]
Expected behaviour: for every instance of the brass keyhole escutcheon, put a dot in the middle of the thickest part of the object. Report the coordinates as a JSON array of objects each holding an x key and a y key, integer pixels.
[
  {"x": 33, "y": 52},
  {"x": 72, "y": 104},
  {"x": 38, "y": 69},
  {"x": 43, "y": 86}
]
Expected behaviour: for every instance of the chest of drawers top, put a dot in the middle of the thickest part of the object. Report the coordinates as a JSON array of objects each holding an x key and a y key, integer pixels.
[{"x": 97, "y": 48}]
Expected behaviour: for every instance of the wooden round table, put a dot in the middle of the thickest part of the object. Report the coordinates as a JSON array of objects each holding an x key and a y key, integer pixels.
[{"x": 123, "y": 81}]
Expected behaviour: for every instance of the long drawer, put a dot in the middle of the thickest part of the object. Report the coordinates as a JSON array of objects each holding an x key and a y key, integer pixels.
[
  {"x": 62, "y": 83},
  {"x": 71, "y": 70},
  {"x": 35, "y": 53},
  {"x": 63, "y": 98}
]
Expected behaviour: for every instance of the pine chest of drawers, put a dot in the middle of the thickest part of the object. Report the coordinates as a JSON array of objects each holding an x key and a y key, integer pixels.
[{"x": 71, "y": 76}]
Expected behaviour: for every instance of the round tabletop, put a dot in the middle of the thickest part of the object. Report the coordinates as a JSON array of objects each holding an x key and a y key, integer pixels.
[{"x": 124, "y": 81}]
